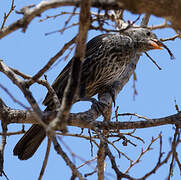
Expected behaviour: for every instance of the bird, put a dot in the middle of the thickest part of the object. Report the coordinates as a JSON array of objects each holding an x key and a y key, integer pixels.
[{"x": 106, "y": 57}]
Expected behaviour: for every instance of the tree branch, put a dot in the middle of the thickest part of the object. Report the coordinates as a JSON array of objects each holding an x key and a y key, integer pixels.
[
  {"x": 60, "y": 151},
  {"x": 71, "y": 89},
  {"x": 165, "y": 8},
  {"x": 85, "y": 119}
]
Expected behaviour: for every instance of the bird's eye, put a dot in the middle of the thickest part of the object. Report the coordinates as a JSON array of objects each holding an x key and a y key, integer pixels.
[{"x": 148, "y": 33}]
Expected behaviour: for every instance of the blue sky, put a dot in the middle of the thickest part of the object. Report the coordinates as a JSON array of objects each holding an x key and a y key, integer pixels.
[{"x": 156, "y": 89}]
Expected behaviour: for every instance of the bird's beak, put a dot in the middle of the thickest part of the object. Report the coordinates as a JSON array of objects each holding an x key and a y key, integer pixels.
[{"x": 155, "y": 44}]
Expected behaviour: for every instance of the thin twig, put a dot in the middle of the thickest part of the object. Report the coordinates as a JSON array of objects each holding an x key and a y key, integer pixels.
[
  {"x": 69, "y": 149},
  {"x": 148, "y": 148},
  {"x": 13, "y": 133},
  {"x": 90, "y": 140},
  {"x": 154, "y": 62},
  {"x": 159, "y": 163},
  {"x": 57, "y": 15},
  {"x": 160, "y": 26},
  {"x": 145, "y": 20},
  {"x": 2, "y": 147},
  {"x": 42, "y": 82},
  {"x": 134, "y": 85},
  {"x": 80, "y": 136},
  {"x": 174, "y": 152},
  {"x": 119, "y": 152},
  {"x": 45, "y": 159},
  {"x": 134, "y": 114},
  {"x": 62, "y": 30},
  {"x": 87, "y": 162},
  {"x": 70, "y": 17},
  {"x": 22, "y": 86},
  {"x": 73, "y": 82},
  {"x": 51, "y": 61},
  {"x": 171, "y": 38},
  {"x": 176, "y": 105},
  {"x": 8, "y": 14},
  {"x": 13, "y": 98},
  {"x": 119, "y": 174},
  {"x": 168, "y": 50},
  {"x": 60, "y": 151}
]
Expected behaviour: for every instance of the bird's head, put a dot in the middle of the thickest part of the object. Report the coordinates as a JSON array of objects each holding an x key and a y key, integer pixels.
[{"x": 144, "y": 39}]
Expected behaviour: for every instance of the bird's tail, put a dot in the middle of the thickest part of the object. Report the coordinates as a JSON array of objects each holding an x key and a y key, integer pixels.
[{"x": 29, "y": 143}]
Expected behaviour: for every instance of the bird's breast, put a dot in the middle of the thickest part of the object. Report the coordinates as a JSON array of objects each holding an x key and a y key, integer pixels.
[{"x": 105, "y": 66}]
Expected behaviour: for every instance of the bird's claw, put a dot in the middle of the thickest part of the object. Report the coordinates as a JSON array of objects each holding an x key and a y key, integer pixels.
[{"x": 97, "y": 105}]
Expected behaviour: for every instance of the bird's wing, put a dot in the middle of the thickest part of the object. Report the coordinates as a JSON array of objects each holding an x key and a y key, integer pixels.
[
  {"x": 59, "y": 84},
  {"x": 94, "y": 44},
  {"x": 61, "y": 81}
]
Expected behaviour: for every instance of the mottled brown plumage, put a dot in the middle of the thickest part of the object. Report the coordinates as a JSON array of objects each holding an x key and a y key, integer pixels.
[{"x": 106, "y": 57}]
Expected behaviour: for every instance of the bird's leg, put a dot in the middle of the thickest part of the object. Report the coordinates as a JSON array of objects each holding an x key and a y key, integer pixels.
[
  {"x": 111, "y": 90},
  {"x": 99, "y": 105}
]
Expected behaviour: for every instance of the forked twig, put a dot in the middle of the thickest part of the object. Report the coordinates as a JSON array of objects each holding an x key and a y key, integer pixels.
[
  {"x": 8, "y": 14},
  {"x": 141, "y": 154}
]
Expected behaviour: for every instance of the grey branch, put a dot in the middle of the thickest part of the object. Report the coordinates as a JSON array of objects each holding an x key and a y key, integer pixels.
[
  {"x": 74, "y": 79},
  {"x": 85, "y": 119},
  {"x": 165, "y": 8}
]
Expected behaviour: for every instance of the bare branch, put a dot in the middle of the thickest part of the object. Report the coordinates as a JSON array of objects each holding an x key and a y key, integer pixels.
[
  {"x": 33, "y": 11},
  {"x": 154, "y": 62},
  {"x": 86, "y": 119},
  {"x": 13, "y": 98},
  {"x": 115, "y": 166},
  {"x": 159, "y": 163},
  {"x": 171, "y": 38},
  {"x": 22, "y": 86},
  {"x": 66, "y": 158},
  {"x": 175, "y": 141},
  {"x": 145, "y": 20},
  {"x": 148, "y": 148},
  {"x": 45, "y": 159},
  {"x": 100, "y": 161},
  {"x": 57, "y": 15},
  {"x": 87, "y": 162},
  {"x": 160, "y": 26},
  {"x": 101, "y": 152},
  {"x": 79, "y": 136},
  {"x": 2, "y": 146},
  {"x": 73, "y": 82},
  {"x": 60, "y": 118},
  {"x": 171, "y": 12},
  {"x": 8, "y": 14},
  {"x": 51, "y": 61}
]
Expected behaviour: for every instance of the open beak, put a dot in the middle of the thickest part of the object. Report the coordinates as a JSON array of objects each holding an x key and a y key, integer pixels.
[{"x": 155, "y": 44}]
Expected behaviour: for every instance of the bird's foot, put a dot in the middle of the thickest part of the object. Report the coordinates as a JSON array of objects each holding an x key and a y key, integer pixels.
[{"x": 97, "y": 105}]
